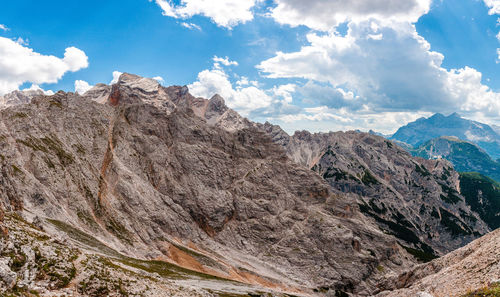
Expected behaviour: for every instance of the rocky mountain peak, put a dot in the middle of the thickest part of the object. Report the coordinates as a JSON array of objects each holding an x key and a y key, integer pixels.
[
  {"x": 133, "y": 81},
  {"x": 423, "y": 130},
  {"x": 19, "y": 97}
]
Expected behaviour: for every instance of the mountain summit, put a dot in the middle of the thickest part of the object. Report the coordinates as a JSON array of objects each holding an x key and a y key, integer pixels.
[{"x": 425, "y": 129}]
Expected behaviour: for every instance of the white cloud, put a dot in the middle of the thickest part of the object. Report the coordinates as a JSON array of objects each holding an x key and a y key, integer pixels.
[
  {"x": 326, "y": 15},
  {"x": 224, "y": 61},
  {"x": 320, "y": 113},
  {"x": 494, "y": 6},
  {"x": 242, "y": 99},
  {"x": 323, "y": 119},
  {"x": 395, "y": 74},
  {"x": 225, "y": 13},
  {"x": 332, "y": 97},
  {"x": 191, "y": 26},
  {"x": 285, "y": 92},
  {"x": 19, "y": 64},
  {"x": 159, "y": 79},
  {"x": 82, "y": 86},
  {"x": 116, "y": 76},
  {"x": 35, "y": 87},
  {"x": 3, "y": 27}
]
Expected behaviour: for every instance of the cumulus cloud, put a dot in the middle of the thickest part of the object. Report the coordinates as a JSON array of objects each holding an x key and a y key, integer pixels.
[
  {"x": 327, "y": 95},
  {"x": 244, "y": 81},
  {"x": 116, "y": 76},
  {"x": 159, "y": 79},
  {"x": 19, "y": 64},
  {"x": 319, "y": 113},
  {"x": 224, "y": 61},
  {"x": 396, "y": 73},
  {"x": 326, "y": 15},
  {"x": 324, "y": 119},
  {"x": 494, "y": 6},
  {"x": 35, "y": 87},
  {"x": 82, "y": 86},
  {"x": 225, "y": 13},
  {"x": 285, "y": 92},
  {"x": 242, "y": 99}
]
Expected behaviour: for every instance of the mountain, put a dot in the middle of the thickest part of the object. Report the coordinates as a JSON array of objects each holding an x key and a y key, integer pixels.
[
  {"x": 496, "y": 128},
  {"x": 414, "y": 199},
  {"x": 471, "y": 271},
  {"x": 139, "y": 189},
  {"x": 425, "y": 129},
  {"x": 155, "y": 177},
  {"x": 19, "y": 97},
  {"x": 465, "y": 156}
]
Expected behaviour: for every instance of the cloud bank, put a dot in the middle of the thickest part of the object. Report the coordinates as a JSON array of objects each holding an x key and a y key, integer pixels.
[
  {"x": 225, "y": 13},
  {"x": 20, "y": 64}
]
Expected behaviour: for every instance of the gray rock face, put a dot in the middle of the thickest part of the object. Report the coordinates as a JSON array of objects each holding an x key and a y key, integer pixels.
[
  {"x": 463, "y": 271},
  {"x": 414, "y": 199},
  {"x": 19, "y": 97},
  {"x": 7, "y": 276},
  {"x": 148, "y": 177}
]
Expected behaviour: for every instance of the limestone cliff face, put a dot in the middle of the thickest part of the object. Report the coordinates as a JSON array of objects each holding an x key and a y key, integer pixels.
[
  {"x": 416, "y": 200},
  {"x": 19, "y": 97},
  {"x": 472, "y": 270},
  {"x": 147, "y": 176}
]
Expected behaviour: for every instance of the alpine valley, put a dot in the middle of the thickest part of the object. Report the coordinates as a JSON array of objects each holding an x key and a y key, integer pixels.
[{"x": 136, "y": 189}]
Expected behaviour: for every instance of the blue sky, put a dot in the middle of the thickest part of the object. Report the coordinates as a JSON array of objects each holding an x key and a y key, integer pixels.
[{"x": 317, "y": 65}]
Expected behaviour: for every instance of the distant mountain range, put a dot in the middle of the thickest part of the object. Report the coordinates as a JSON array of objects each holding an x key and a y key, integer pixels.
[
  {"x": 465, "y": 156},
  {"x": 424, "y": 129}
]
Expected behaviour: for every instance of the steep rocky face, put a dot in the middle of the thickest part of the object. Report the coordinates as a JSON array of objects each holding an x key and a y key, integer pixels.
[
  {"x": 35, "y": 263},
  {"x": 414, "y": 199},
  {"x": 425, "y": 129},
  {"x": 465, "y": 156},
  {"x": 152, "y": 180},
  {"x": 19, "y": 97},
  {"x": 149, "y": 91},
  {"x": 474, "y": 267}
]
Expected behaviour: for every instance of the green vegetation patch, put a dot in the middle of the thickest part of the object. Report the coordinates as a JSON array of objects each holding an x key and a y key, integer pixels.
[
  {"x": 453, "y": 224},
  {"x": 46, "y": 145},
  {"x": 483, "y": 196},
  {"x": 422, "y": 170},
  {"x": 451, "y": 195},
  {"x": 153, "y": 266},
  {"x": 420, "y": 255},
  {"x": 493, "y": 290},
  {"x": 369, "y": 179}
]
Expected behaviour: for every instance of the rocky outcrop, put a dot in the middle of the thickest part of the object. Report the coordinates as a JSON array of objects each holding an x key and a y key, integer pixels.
[
  {"x": 34, "y": 263},
  {"x": 465, "y": 270},
  {"x": 19, "y": 97},
  {"x": 416, "y": 200},
  {"x": 149, "y": 91},
  {"x": 149, "y": 178}
]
